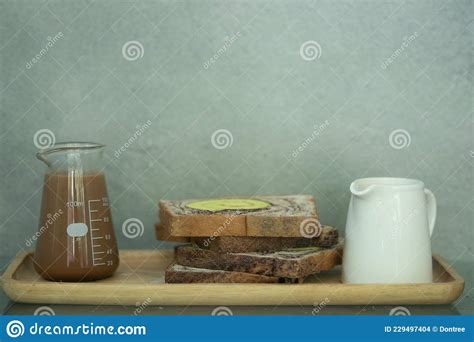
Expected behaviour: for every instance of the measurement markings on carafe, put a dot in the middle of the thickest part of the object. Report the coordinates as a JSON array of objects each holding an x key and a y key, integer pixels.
[{"x": 97, "y": 246}]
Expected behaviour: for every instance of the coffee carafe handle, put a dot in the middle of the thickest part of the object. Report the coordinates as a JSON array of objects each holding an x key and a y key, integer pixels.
[{"x": 431, "y": 207}]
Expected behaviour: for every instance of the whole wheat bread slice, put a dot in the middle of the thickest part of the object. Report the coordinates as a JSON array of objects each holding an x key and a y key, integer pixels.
[
  {"x": 327, "y": 237},
  {"x": 297, "y": 263},
  {"x": 282, "y": 218},
  {"x": 176, "y": 273}
]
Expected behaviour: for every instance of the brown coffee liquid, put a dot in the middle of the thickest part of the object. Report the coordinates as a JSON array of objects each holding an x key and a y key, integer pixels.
[{"x": 76, "y": 240}]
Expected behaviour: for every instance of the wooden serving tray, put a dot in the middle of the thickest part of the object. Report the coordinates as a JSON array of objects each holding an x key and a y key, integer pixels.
[{"x": 140, "y": 277}]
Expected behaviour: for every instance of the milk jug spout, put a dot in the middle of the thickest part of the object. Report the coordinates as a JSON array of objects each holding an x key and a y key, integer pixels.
[{"x": 361, "y": 189}]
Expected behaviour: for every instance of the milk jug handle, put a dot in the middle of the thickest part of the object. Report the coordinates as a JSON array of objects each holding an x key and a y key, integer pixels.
[{"x": 431, "y": 207}]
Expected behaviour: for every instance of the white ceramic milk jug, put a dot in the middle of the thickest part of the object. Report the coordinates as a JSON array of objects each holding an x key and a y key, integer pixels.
[{"x": 388, "y": 230}]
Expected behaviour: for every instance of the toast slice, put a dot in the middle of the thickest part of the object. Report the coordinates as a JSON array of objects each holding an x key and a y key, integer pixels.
[
  {"x": 291, "y": 263},
  {"x": 269, "y": 216},
  {"x": 176, "y": 274},
  {"x": 328, "y": 237},
  {"x": 163, "y": 234}
]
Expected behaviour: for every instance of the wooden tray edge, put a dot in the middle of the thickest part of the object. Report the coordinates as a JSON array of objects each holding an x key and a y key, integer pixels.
[
  {"x": 216, "y": 294},
  {"x": 7, "y": 282},
  {"x": 449, "y": 269}
]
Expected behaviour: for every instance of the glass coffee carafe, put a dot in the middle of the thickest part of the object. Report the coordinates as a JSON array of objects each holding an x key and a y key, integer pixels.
[{"x": 76, "y": 240}]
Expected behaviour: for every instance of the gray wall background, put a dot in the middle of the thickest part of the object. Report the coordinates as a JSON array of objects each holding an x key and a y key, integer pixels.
[{"x": 260, "y": 89}]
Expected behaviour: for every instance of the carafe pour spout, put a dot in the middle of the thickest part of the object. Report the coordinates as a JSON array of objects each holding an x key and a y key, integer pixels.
[{"x": 71, "y": 155}]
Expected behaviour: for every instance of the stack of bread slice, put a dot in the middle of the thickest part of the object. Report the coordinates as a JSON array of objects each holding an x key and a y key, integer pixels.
[{"x": 263, "y": 239}]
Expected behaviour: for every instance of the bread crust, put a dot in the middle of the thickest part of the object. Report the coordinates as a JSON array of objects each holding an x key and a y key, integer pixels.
[
  {"x": 282, "y": 219},
  {"x": 177, "y": 274},
  {"x": 328, "y": 237},
  {"x": 285, "y": 264}
]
